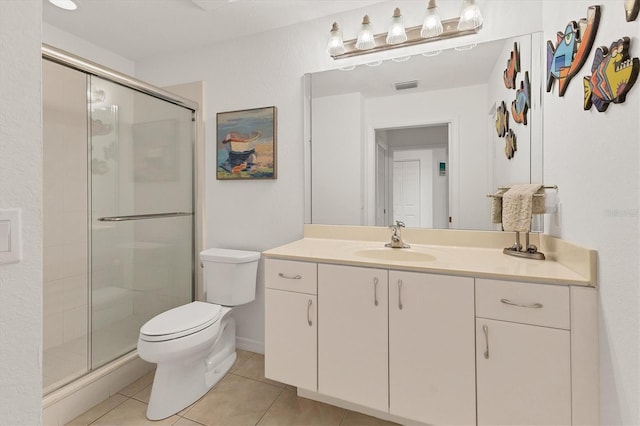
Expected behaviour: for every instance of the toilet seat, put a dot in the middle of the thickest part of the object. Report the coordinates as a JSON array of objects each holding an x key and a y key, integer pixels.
[{"x": 181, "y": 321}]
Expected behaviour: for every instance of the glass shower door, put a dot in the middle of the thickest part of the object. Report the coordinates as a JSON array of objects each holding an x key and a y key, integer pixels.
[{"x": 142, "y": 224}]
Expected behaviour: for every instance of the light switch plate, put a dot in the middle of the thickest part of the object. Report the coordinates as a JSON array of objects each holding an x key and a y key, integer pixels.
[{"x": 10, "y": 236}]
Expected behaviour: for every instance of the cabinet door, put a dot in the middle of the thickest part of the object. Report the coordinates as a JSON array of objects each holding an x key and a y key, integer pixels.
[
  {"x": 523, "y": 374},
  {"x": 291, "y": 338},
  {"x": 353, "y": 335},
  {"x": 432, "y": 348}
]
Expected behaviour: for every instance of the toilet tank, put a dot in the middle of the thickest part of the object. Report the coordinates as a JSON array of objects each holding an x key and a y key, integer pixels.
[{"x": 229, "y": 275}]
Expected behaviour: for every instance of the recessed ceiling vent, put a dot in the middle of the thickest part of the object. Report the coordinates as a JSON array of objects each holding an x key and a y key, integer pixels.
[{"x": 404, "y": 85}]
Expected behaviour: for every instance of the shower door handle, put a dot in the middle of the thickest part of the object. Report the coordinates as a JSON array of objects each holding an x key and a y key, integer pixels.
[{"x": 142, "y": 216}]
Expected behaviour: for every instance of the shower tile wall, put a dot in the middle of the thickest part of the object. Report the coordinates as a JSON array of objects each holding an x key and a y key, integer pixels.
[{"x": 65, "y": 271}]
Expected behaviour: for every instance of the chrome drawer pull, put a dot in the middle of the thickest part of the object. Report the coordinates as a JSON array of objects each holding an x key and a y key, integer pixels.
[
  {"x": 290, "y": 277},
  {"x": 485, "y": 329},
  {"x": 400, "y": 294},
  {"x": 531, "y": 306},
  {"x": 375, "y": 291},
  {"x": 309, "y": 313}
]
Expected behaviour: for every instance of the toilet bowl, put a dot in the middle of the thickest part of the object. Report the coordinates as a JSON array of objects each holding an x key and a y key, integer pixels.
[{"x": 194, "y": 345}]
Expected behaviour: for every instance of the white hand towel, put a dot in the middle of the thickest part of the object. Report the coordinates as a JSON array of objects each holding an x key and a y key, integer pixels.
[
  {"x": 517, "y": 204},
  {"x": 496, "y": 206},
  {"x": 539, "y": 203}
]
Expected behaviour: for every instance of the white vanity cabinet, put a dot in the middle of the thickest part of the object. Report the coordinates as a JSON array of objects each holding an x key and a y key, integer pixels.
[
  {"x": 353, "y": 335},
  {"x": 431, "y": 348},
  {"x": 523, "y": 353},
  {"x": 423, "y": 348},
  {"x": 291, "y": 324}
]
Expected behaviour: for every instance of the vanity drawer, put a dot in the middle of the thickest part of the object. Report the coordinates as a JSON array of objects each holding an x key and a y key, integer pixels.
[
  {"x": 535, "y": 304},
  {"x": 289, "y": 275}
]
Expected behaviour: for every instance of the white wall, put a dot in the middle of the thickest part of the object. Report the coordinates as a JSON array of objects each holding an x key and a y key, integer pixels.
[
  {"x": 63, "y": 40},
  {"x": 593, "y": 157},
  {"x": 21, "y": 187}
]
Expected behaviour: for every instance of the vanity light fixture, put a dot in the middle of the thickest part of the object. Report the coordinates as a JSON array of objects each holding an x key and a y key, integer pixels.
[
  {"x": 470, "y": 16},
  {"x": 396, "y": 34},
  {"x": 366, "y": 38},
  {"x": 64, "y": 4},
  {"x": 432, "y": 29},
  {"x": 432, "y": 25}
]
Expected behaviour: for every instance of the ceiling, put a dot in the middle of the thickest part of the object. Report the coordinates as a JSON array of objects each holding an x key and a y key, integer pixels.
[{"x": 136, "y": 29}]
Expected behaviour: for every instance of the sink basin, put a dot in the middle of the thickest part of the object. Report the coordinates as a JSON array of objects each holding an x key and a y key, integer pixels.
[{"x": 402, "y": 254}]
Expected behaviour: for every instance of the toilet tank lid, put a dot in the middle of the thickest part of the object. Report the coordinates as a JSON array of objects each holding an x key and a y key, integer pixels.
[{"x": 229, "y": 255}]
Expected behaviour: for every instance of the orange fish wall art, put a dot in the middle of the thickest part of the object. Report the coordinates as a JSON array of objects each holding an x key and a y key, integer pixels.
[{"x": 513, "y": 68}]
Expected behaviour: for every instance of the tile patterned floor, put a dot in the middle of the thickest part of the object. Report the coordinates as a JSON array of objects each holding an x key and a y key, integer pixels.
[{"x": 243, "y": 397}]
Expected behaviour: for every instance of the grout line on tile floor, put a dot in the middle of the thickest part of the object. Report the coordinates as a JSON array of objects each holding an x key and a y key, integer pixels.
[{"x": 272, "y": 404}]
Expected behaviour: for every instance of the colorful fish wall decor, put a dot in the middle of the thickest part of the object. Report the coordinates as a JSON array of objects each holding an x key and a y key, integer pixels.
[
  {"x": 631, "y": 9},
  {"x": 510, "y": 146},
  {"x": 613, "y": 74},
  {"x": 571, "y": 51},
  {"x": 521, "y": 105},
  {"x": 513, "y": 68},
  {"x": 502, "y": 119}
]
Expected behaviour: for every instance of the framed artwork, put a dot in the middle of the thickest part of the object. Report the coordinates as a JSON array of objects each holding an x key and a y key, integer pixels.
[{"x": 246, "y": 144}]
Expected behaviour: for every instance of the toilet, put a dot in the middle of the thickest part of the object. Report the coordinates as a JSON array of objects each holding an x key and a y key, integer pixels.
[{"x": 194, "y": 345}]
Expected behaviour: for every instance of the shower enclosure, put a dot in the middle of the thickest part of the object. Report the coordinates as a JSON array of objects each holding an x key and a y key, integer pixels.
[{"x": 118, "y": 214}]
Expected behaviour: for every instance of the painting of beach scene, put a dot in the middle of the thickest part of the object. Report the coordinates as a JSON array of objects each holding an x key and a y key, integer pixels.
[{"x": 246, "y": 144}]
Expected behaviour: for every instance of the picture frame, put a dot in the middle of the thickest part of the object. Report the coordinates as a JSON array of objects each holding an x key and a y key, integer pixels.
[{"x": 246, "y": 144}]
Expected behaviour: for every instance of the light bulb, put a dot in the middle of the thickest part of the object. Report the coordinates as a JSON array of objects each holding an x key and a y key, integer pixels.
[
  {"x": 365, "y": 40},
  {"x": 396, "y": 33},
  {"x": 470, "y": 17},
  {"x": 432, "y": 26},
  {"x": 335, "y": 45}
]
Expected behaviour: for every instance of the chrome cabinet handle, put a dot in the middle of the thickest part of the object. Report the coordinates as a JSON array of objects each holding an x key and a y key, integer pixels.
[
  {"x": 375, "y": 291},
  {"x": 400, "y": 294},
  {"x": 290, "y": 277},
  {"x": 531, "y": 306},
  {"x": 309, "y": 303},
  {"x": 485, "y": 329}
]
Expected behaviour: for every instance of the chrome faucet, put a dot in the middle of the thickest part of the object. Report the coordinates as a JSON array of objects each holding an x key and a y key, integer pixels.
[{"x": 396, "y": 236}]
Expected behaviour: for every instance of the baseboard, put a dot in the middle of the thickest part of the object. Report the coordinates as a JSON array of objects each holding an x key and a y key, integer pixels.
[
  {"x": 304, "y": 393},
  {"x": 249, "y": 345}
]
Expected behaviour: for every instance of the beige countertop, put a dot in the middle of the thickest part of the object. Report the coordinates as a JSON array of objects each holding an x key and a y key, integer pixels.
[{"x": 566, "y": 263}]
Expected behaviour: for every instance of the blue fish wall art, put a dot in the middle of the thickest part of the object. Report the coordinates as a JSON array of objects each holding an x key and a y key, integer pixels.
[
  {"x": 571, "y": 50},
  {"x": 521, "y": 105}
]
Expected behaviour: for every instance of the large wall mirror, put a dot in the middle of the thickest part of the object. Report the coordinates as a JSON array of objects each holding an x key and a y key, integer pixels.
[{"x": 416, "y": 140}]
